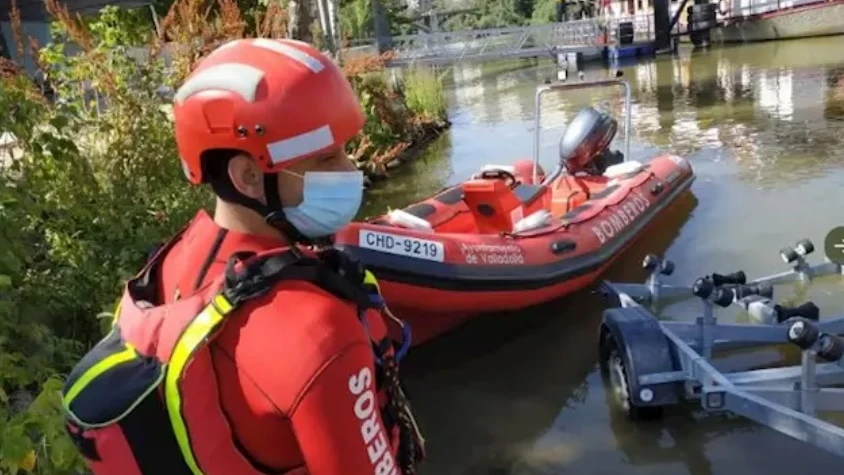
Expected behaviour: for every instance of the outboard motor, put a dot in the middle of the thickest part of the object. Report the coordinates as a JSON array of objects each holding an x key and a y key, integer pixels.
[{"x": 585, "y": 143}]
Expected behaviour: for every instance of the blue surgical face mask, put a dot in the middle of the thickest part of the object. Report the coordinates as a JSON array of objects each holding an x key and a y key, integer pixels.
[{"x": 331, "y": 201}]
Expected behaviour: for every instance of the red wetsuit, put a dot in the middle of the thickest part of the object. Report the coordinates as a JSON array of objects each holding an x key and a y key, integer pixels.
[{"x": 284, "y": 363}]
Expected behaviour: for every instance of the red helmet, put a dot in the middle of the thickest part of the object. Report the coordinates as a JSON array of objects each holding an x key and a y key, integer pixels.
[{"x": 280, "y": 101}]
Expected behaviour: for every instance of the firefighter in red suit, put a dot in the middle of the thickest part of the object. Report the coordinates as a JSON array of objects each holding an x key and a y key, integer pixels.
[{"x": 300, "y": 378}]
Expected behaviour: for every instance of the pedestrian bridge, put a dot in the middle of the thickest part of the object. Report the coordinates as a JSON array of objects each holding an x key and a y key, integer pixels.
[{"x": 589, "y": 36}]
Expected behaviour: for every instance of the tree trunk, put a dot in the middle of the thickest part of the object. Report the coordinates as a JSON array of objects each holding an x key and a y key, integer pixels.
[
  {"x": 300, "y": 20},
  {"x": 383, "y": 38},
  {"x": 334, "y": 19},
  {"x": 324, "y": 24}
]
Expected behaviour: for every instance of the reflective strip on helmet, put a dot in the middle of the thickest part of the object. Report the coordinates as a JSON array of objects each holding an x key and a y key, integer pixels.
[
  {"x": 295, "y": 54},
  {"x": 240, "y": 79},
  {"x": 196, "y": 332},
  {"x": 99, "y": 368},
  {"x": 243, "y": 79},
  {"x": 302, "y": 144}
]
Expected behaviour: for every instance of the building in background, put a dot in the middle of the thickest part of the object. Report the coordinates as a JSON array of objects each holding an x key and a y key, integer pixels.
[{"x": 35, "y": 20}]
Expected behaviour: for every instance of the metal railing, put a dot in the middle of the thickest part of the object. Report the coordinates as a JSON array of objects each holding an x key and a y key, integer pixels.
[
  {"x": 643, "y": 26},
  {"x": 514, "y": 42}
]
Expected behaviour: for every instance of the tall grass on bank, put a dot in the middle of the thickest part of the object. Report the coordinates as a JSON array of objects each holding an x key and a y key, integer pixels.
[
  {"x": 95, "y": 181},
  {"x": 424, "y": 93}
]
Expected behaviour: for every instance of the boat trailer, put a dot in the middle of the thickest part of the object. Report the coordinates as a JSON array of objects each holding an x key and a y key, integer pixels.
[{"x": 651, "y": 364}]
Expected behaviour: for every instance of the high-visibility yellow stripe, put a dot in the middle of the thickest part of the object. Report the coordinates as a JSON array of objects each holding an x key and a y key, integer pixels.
[
  {"x": 223, "y": 304},
  {"x": 369, "y": 279},
  {"x": 99, "y": 368},
  {"x": 197, "y": 331}
]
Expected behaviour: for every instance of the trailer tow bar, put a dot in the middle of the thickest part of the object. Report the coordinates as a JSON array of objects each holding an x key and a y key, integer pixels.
[{"x": 650, "y": 364}]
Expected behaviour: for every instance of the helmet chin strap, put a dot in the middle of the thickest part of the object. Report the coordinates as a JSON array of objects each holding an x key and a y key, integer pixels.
[{"x": 271, "y": 212}]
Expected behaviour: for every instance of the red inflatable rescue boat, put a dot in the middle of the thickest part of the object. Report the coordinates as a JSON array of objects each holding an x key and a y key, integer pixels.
[{"x": 511, "y": 237}]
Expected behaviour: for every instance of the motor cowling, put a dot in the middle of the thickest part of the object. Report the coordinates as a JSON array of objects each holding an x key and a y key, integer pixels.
[{"x": 586, "y": 139}]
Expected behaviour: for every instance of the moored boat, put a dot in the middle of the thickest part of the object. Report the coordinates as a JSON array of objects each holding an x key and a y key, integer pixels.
[
  {"x": 510, "y": 236},
  {"x": 801, "y": 19}
]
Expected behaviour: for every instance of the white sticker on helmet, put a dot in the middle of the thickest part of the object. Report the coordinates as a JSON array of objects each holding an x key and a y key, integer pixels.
[
  {"x": 296, "y": 54},
  {"x": 302, "y": 144},
  {"x": 241, "y": 79},
  {"x": 225, "y": 46}
]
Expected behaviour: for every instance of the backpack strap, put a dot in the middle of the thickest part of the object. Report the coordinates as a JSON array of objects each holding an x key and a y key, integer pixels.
[
  {"x": 259, "y": 274},
  {"x": 332, "y": 270}
]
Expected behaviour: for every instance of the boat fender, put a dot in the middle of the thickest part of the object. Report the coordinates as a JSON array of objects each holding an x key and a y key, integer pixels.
[
  {"x": 644, "y": 350},
  {"x": 533, "y": 221},
  {"x": 623, "y": 168},
  {"x": 406, "y": 220}
]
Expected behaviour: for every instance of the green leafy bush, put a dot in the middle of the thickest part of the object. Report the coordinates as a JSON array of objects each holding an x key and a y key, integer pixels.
[
  {"x": 89, "y": 184},
  {"x": 398, "y": 112},
  {"x": 544, "y": 11},
  {"x": 89, "y": 192}
]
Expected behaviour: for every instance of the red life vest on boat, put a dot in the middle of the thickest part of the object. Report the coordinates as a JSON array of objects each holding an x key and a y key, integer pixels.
[{"x": 146, "y": 399}]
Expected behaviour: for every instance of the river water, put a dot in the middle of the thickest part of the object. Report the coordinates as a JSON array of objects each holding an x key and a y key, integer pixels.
[{"x": 763, "y": 126}]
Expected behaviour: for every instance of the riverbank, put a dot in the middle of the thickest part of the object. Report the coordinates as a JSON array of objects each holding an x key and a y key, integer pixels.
[{"x": 95, "y": 180}]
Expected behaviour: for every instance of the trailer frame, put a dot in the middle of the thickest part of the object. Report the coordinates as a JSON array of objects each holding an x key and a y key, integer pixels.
[{"x": 651, "y": 364}]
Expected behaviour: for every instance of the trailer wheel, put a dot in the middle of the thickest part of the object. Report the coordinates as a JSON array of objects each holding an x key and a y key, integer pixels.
[{"x": 616, "y": 379}]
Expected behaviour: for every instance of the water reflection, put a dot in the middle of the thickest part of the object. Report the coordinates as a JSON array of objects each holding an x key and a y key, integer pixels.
[
  {"x": 519, "y": 393},
  {"x": 468, "y": 90},
  {"x": 507, "y": 86},
  {"x": 773, "y": 116},
  {"x": 834, "y": 109},
  {"x": 646, "y": 77}
]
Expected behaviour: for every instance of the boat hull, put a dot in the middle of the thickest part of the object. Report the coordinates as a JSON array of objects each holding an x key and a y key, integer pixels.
[
  {"x": 816, "y": 19},
  {"x": 471, "y": 274}
]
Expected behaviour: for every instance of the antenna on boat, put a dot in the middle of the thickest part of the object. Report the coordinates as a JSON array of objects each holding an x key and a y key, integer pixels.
[{"x": 560, "y": 86}]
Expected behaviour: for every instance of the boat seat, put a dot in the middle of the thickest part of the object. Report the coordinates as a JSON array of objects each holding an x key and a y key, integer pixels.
[
  {"x": 527, "y": 194},
  {"x": 420, "y": 210},
  {"x": 493, "y": 205}
]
